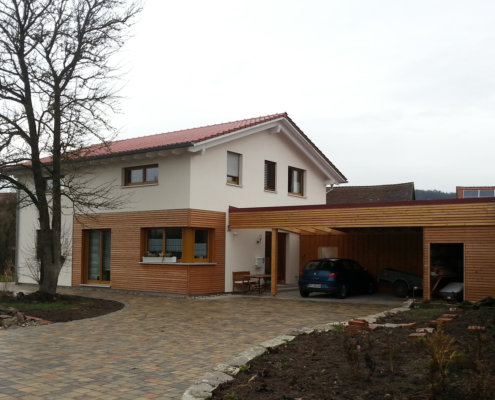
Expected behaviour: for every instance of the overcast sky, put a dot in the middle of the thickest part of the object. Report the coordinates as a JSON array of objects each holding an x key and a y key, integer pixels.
[{"x": 391, "y": 91}]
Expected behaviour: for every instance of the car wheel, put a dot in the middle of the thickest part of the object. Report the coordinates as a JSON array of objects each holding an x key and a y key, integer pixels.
[
  {"x": 343, "y": 290},
  {"x": 400, "y": 288},
  {"x": 371, "y": 288},
  {"x": 304, "y": 293}
]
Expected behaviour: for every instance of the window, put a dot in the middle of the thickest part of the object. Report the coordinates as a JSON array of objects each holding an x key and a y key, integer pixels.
[
  {"x": 296, "y": 181},
  {"x": 479, "y": 193},
  {"x": 143, "y": 175},
  {"x": 49, "y": 183},
  {"x": 270, "y": 168},
  {"x": 233, "y": 168},
  {"x": 201, "y": 244},
  {"x": 470, "y": 194},
  {"x": 165, "y": 242},
  {"x": 98, "y": 252},
  {"x": 186, "y": 244}
]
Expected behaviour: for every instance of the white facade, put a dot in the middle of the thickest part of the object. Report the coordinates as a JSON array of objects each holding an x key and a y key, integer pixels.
[{"x": 195, "y": 177}]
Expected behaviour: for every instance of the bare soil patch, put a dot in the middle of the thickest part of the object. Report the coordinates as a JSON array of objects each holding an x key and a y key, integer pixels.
[
  {"x": 60, "y": 308},
  {"x": 454, "y": 363}
]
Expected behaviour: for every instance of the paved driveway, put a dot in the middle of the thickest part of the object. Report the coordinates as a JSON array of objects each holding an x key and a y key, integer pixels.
[{"x": 155, "y": 348}]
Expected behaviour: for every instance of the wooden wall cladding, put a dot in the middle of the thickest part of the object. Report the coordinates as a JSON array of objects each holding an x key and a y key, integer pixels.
[
  {"x": 413, "y": 214},
  {"x": 126, "y": 271},
  {"x": 479, "y": 258},
  {"x": 398, "y": 248}
]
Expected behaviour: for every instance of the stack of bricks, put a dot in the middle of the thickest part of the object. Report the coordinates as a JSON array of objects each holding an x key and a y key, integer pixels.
[{"x": 356, "y": 325}]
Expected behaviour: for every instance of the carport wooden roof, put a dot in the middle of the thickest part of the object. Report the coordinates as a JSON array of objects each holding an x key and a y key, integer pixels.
[{"x": 326, "y": 219}]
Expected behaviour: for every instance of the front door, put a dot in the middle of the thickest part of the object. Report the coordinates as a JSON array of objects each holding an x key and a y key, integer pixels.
[{"x": 98, "y": 256}]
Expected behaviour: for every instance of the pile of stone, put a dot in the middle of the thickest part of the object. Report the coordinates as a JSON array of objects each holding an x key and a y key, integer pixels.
[{"x": 11, "y": 318}]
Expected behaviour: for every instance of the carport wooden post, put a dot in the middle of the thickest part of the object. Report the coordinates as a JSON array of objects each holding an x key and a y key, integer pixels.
[{"x": 274, "y": 261}]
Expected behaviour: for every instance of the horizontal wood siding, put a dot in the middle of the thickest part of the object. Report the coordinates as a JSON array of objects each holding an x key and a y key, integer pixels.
[
  {"x": 469, "y": 214},
  {"x": 126, "y": 271},
  {"x": 479, "y": 257},
  {"x": 399, "y": 249}
]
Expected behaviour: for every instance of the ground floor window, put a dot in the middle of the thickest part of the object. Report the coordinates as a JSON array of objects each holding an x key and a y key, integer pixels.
[
  {"x": 180, "y": 244},
  {"x": 98, "y": 250}
]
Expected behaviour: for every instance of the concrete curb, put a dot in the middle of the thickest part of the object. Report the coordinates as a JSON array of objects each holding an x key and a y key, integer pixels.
[{"x": 224, "y": 372}]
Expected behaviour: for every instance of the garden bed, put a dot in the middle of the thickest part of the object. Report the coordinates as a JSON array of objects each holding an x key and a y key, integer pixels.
[{"x": 452, "y": 363}]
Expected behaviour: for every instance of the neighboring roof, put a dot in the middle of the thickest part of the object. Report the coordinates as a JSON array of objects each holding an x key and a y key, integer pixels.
[
  {"x": 371, "y": 194},
  {"x": 194, "y": 137}
]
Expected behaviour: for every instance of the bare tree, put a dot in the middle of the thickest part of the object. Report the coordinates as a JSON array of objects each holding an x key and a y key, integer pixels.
[{"x": 56, "y": 96}]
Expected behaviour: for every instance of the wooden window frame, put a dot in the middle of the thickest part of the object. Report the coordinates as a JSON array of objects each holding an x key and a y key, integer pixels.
[
  {"x": 270, "y": 169},
  {"x": 143, "y": 168},
  {"x": 85, "y": 256},
  {"x": 188, "y": 243},
  {"x": 231, "y": 178},
  {"x": 290, "y": 188}
]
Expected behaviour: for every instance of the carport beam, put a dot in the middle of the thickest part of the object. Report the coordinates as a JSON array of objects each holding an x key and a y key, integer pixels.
[{"x": 274, "y": 261}]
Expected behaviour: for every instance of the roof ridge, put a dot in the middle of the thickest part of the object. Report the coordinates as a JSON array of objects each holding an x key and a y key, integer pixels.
[{"x": 263, "y": 117}]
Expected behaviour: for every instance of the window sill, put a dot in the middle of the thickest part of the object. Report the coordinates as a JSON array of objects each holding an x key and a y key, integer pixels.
[
  {"x": 177, "y": 263},
  {"x": 270, "y": 191},
  {"x": 301, "y": 196},
  {"x": 233, "y": 185},
  {"x": 141, "y": 185}
]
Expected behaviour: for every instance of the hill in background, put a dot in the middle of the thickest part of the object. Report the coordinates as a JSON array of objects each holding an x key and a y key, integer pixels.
[{"x": 433, "y": 195}]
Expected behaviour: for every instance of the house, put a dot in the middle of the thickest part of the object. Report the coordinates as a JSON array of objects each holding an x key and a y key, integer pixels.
[
  {"x": 472, "y": 192},
  {"x": 172, "y": 234},
  {"x": 371, "y": 194}
]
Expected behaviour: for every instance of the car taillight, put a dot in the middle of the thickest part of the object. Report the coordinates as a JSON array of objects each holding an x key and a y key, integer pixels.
[
  {"x": 332, "y": 274},
  {"x": 301, "y": 273}
]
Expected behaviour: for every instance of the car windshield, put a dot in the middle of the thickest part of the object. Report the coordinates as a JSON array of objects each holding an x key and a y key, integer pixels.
[{"x": 319, "y": 265}]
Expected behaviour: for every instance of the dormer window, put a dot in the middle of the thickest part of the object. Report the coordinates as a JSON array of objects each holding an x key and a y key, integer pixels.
[
  {"x": 142, "y": 175},
  {"x": 233, "y": 168}
]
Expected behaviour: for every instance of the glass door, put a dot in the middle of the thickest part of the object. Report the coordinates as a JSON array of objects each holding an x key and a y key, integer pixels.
[{"x": 99, "y": 248}]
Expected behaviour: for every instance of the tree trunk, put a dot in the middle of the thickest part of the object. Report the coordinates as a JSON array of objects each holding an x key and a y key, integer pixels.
[{"x": 51, "y": 262}]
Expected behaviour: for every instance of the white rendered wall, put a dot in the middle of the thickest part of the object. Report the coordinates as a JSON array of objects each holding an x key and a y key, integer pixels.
[
  {"x": 171, "y": 192},
  {"x": 27, "y": 264},
  {"x": 210, "y": 191}
]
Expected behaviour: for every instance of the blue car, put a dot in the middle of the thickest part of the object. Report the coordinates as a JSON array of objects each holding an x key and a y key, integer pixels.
[{"x": 335, "y": 275}]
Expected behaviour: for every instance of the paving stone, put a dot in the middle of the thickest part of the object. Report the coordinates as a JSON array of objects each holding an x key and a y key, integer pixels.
[{"x": 173, "y": 340}]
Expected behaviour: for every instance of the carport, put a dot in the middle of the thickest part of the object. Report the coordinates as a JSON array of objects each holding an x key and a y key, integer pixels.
[{"x": 413, "y": 236}]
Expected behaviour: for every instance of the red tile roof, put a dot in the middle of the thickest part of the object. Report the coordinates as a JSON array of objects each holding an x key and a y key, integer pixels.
[
  {"x": 185, "y": 138},
  {"x": 181, "y": 138},
  {"x": 371, "y": 194}
]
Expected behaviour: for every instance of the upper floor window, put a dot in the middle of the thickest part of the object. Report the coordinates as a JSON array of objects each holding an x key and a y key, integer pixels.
[
  {"x": 48, "y": 182},
  {"x": 270, "y": 168},
  {"x": 296, "y": 181},
  {"x": 233, "y": 168},
  {"x": 142, "y": 175}
]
